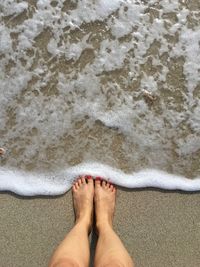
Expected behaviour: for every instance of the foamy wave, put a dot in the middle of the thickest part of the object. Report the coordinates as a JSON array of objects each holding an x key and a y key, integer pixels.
[
  {"x": 73, "y": 76},
  {"x": 29, "y": 184}
]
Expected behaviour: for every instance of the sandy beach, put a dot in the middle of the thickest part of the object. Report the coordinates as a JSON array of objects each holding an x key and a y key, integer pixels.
[{"x": 158, "y": 228}]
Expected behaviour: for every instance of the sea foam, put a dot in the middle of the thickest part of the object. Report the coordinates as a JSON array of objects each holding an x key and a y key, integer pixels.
[
  {"x": 32, "y": 184},
  {"x": 73, "y": 76}
]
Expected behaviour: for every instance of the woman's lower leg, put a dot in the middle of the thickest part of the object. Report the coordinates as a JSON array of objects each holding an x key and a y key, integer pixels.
[
  {"x": 74, "y": 249},
  {"x": 110, "y": 250}
]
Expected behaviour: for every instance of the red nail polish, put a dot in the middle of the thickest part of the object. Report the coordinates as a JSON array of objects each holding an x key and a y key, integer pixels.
[
  {"x": 98, "y": 178},
  {"x": 88, "y": 177}
]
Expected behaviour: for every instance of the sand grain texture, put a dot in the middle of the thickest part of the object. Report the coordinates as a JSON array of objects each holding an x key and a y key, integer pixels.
[{"x": 158, "y": 228}]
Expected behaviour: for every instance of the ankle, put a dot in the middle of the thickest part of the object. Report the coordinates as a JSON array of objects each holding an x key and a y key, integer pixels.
[
  {"x": 84, "y": 223},
  {"x": 104, "y": 225}
]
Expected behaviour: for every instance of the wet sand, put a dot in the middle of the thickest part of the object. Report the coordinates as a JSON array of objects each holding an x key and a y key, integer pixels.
[{"x": 158, "y": 228}]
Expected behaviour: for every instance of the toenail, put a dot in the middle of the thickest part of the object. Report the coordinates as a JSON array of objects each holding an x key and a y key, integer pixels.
[
  {"x": 88, "y": 177},
  {"x": 98, "y": 178}
]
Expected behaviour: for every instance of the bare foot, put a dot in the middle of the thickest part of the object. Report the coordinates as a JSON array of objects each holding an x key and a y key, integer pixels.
[
  {"x": 104, "y": 198},
  {"x": 83, "y": 194}
]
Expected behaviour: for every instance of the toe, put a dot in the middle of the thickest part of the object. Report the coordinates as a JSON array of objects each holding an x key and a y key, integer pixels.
[
  {"x": 97, "y": 181},
  {"x": 108, "y": 185},
  {"x": 90, "y": 180},
  {"x": 83, "y": 180},
  {"x": 114, "y": 190},
  {"x": 111, "y": 187},
  {"x": 80, "y": 181},
  {"x": 76, "y": 185},
  {"x": 73, "y": 188},
  {"x": 104, "y": 184}
]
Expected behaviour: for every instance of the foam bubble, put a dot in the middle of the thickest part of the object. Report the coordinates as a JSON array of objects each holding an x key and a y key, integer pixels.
[
  {"x": 28, "y": 184},
  {"x": 5, "y": 40},
  {"x": 9, "y": 7}
]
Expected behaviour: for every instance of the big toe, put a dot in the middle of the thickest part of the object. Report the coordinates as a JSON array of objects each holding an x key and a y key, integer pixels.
[
  {"x": 89, "y": 179},
  {"x": 98, "y": 181}
]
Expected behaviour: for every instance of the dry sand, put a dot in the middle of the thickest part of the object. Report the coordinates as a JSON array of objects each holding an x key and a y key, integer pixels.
[{"x": 158, "y": 228}]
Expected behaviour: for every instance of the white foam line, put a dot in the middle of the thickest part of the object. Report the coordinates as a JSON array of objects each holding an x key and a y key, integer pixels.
[{"x": 31, "y": 184}]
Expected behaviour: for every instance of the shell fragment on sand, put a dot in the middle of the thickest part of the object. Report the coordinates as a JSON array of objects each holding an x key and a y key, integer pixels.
[{"x": 2, "y": 151}]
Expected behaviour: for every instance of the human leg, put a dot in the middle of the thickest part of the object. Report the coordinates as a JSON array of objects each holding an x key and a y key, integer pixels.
[
  {"x": 110, "y": 250},
  {"x": 74, "y": 249}
]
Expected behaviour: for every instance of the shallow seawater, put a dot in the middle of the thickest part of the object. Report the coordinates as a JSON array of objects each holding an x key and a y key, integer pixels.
[{"x": 117, "y": 82}]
